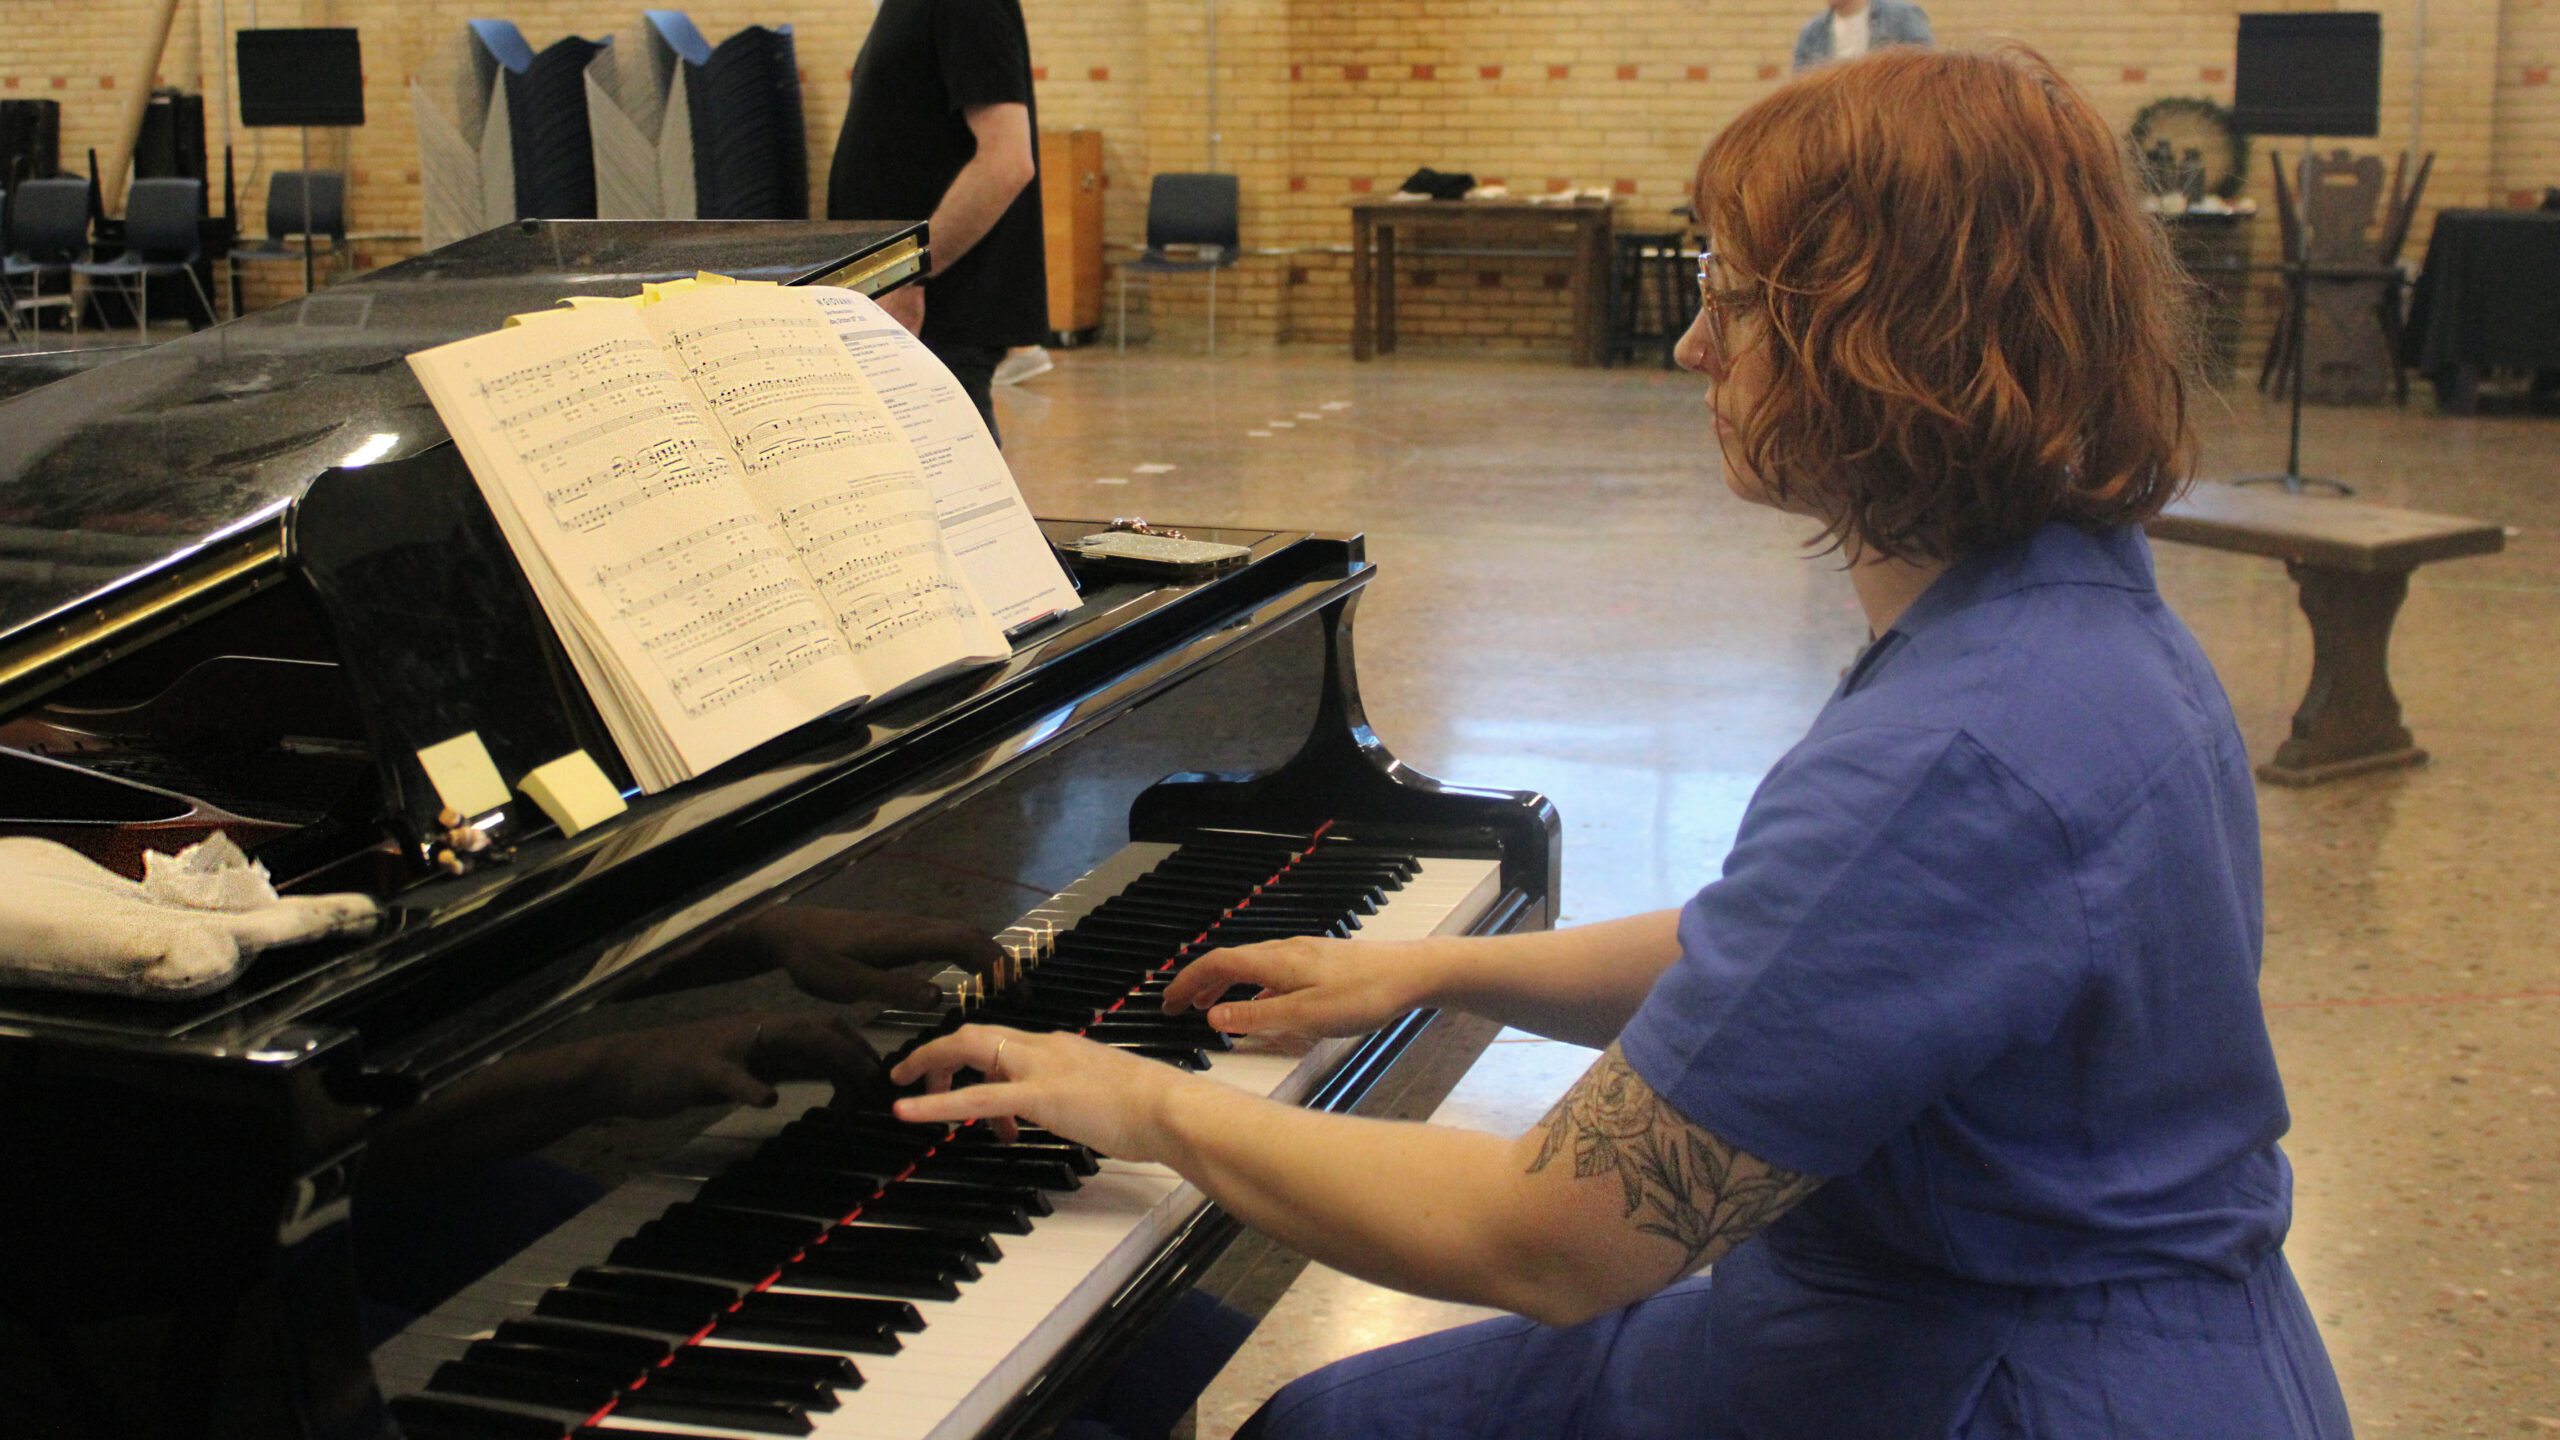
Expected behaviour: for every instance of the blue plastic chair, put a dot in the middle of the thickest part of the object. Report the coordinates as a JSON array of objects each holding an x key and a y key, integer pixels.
[
  {"x": 163, "y": 235},
  {"x": 1193, "y": 213}
]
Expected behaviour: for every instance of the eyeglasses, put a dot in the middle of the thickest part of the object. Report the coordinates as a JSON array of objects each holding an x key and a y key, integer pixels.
[{"x": 1717, "y": 304}]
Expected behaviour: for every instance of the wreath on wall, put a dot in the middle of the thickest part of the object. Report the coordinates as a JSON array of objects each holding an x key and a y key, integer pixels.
[{"x": 2184, "y": 123}]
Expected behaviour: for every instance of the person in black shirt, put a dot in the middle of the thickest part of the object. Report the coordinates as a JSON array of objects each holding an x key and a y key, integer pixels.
[{"x": 941, "y": 126}]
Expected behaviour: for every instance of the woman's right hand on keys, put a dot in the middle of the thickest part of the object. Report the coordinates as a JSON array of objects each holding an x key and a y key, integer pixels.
[{"x": 1309, "y": 987}]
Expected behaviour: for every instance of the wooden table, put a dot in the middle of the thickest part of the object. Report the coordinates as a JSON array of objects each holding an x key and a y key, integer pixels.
[
  {"x": 2351, "y": 562},
  {"x": 1500, "y": 229}
]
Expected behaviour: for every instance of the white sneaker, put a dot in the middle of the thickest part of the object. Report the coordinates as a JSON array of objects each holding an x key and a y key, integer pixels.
[{"x": 1021, "y": 363}]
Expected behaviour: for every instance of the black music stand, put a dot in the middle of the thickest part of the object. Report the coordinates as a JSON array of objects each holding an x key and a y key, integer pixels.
[
  {"x": 2306, "y": 74},
  {"x": 302, "y": 78}
]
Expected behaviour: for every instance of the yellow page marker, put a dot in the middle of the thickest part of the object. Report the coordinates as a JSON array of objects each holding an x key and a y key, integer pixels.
[
  {"x": 466, "y": 779},
  {"x": 586, "y": 302},
  {"x": 573, "y": 792},
  {"x": 654, "y": 291},
  {"x": 705, "y": 277},
  {"x": 531, "y": 315}
]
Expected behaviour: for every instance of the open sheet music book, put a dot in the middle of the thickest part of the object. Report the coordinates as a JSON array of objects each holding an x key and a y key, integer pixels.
[{"x": 742, "y": 507}]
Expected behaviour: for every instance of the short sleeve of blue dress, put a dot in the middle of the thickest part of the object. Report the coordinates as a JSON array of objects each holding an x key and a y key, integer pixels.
[{"x": 1985, "y": 950}]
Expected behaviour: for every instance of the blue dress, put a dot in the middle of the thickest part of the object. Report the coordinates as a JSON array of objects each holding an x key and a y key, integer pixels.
[{"x": 1985, "y": 954}]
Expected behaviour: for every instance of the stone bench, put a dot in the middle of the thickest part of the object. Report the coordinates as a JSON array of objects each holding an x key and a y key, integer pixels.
[{"x": 2351, "y": 561}]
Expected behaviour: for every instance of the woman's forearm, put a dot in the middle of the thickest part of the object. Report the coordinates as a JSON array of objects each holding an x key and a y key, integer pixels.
[
  {"x": 1581, "y": 985},
  {"x": 1345, "y": 1191}
]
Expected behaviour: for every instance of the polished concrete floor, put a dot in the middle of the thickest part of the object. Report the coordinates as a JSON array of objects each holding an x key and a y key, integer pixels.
[{"x": 1568, "y": 600}]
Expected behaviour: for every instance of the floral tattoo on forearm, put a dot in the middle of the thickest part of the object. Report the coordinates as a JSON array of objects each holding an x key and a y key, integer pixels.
[{"x": 1689, "y": 1187}]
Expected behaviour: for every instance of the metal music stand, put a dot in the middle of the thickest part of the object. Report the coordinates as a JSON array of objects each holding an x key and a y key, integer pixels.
[
  {"x": 2306, "y": 74},
  {"x": 302, "y": 78}
]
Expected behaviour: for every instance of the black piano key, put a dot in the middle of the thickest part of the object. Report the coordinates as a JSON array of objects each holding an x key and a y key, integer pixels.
[
  {"x": 791, "y": 1366},
  {"x": 1055, "y": 1175},
  {"x": 835, "y": 1311},
  {"x": 711, "y": 1297},
  {"x": 1075, "y": 1157},
  {"x": 1099, "y": 953},
  {"x": 524, "y": 1387},
  {"x": 853, "y": 1152},
  {"x": 1174, "y": 1055},
  {"x": 669, "y": 1382},
  {"x": 794, "y": 1190},
  {"x": 1158, "y": 1028},
  {"x": 767, "y": 1326},
  {"x": 949, "y": 1246},
  {"x": 893, "y": 1276},
  {"x": 839, "y": 1128},
  {"x": 1192, "y": 858},
  {"x": 679, "y": 1256},
  {"x": 597, "y": 1307},
  {"x": 1134, "y": 933},
  {"x": 1109, "y": 968},
  {"x": 1163, "y": 909},
  {"x": 782, "y": 1233},
  {"x": 876, "y": 1120},
  {"x": 435, "y": 1417},
  {"x": 939, "y": 1212},
  {"x": 646, "y": 1403},
  {"x": 545, "y": 1360},
  {"x": 639, "y": 1352},
  {"x": 1031, "y": 1015},
  {"x": 1029, "y": 1199},
  {"x": 849, "y": 1153}
]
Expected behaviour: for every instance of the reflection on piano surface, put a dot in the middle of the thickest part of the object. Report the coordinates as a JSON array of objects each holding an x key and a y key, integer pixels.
[{"x": 216, "y": 1210}]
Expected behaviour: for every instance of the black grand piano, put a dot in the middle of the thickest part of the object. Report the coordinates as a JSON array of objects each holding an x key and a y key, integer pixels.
[{"x": 242, "y": 579}]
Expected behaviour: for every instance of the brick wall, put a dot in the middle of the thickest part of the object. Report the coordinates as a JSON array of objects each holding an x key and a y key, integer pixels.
[
  {"x": 2526, "y": 128},
  {"x": 1323, "y": 100}
]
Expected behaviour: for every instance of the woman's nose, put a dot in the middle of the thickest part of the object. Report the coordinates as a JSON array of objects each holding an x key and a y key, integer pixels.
[{"x": 1693, "y": 352}]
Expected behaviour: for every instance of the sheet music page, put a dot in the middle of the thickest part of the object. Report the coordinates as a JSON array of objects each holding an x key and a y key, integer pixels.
[
  {"x": 825, "y": 459},
  {"x": 983, "y": 517},
  {"x": 674, "y": 595}
]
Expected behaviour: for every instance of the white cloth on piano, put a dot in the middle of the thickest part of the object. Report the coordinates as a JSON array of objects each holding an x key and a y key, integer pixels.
[{"x": 185, "y": 929}]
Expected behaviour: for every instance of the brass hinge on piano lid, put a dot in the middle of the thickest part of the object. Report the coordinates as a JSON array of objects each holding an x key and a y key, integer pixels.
[
  {"x": 53, "y": 650},
  {"x": 900, "y": 259}
]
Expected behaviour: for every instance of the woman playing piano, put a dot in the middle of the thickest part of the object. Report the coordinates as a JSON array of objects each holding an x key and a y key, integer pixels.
[{"x": 1957, "y": 1076}]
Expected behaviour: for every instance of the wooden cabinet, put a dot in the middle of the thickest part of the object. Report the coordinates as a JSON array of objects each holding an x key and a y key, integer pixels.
[{"x": 1071, "y": 215}]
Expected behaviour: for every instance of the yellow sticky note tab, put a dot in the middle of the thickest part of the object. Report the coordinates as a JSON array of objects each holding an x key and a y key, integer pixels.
[
  {"x": 656, "y": 290},
  {"x": 573, "y": 792},
  {"x": 590, "y": 302},
  {"x": 532, "y": 315},
  {"x": 466, "y": 779},
  {"x": 705, "y": 277}
]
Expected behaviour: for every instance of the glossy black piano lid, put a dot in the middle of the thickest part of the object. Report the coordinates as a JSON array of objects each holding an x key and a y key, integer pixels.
[
  {"x": 110, "y": 472},
  {"x": 517, "y": 941}
]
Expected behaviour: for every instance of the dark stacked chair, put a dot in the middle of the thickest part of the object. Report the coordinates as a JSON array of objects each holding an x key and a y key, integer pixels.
[
  {"x": 750, "y": 143},
  {"x": 48, "y": 233},
  {"x": 554, "y": 149},
  {"x": 163, "y": 236}
]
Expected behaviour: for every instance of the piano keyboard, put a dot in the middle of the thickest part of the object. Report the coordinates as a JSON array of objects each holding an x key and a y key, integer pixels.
[{"x": 841, "y": 1274}]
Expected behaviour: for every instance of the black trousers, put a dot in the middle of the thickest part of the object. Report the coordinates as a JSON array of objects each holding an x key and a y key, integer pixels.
[{"x": 974, "y": 366}]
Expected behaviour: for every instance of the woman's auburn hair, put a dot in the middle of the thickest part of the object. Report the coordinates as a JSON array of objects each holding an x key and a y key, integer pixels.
[{"x": 1970, "y": 328}]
